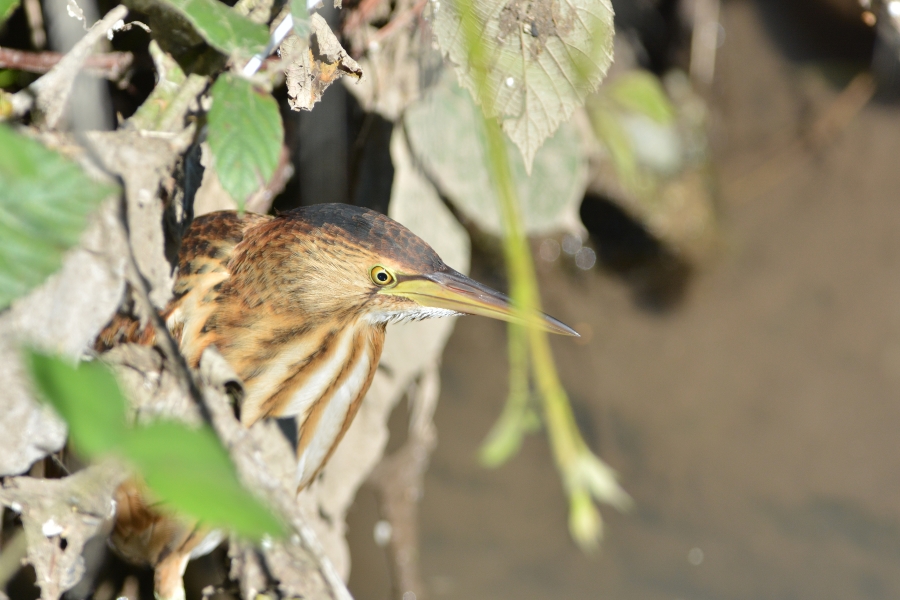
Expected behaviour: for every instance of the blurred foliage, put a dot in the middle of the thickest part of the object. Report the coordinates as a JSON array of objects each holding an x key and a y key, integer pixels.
[
  {"x": 6, "y": 9},
  {"x": 514, "y": 167},
  {"x": 585, "y": 477},
  {"x": 45, "y": 201},
  {"x": 188, "y": 469},
  {"x": 447, "y": 119}
]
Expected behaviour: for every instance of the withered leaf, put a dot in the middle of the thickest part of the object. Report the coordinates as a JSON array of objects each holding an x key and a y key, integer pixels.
[{"x": 311, "y": 69}]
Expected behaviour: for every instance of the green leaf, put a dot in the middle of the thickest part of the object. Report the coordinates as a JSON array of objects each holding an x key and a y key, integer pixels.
[
  {"x": 540, "y": 59},
  {"x": 187, "y": 469},
  {"x": 245, "y": 136},
  {"x": 190, "y": 471},
  {"x": 302, "y": 25},
  {"x": 169, "y": 80},
  {"x": 447, "y": 120},
  {"x": 86, "y": 397},
  {"x": 641, "y": 92},
  {"x": 6, "y": 9},
  {"x": 224, "y": 29},
  {"x": 44, "y": 203},
  {"x": 605, "y": 121}
]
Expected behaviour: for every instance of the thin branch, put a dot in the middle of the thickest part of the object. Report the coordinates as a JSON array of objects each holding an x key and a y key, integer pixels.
[
  {"x": 401, "y": 20},
  {"x": 108, "y": 66},
  {"x": 51, "y": 92},
  {"x": 35, "y": 22},
  {"x": 399, "y": 483},
  {"x": 163, "y": 338}
]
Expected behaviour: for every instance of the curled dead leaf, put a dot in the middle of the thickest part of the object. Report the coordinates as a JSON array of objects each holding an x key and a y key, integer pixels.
[{"x": 311, "y": 69}]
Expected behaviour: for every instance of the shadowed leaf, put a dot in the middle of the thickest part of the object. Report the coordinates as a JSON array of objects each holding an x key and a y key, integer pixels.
[
  {"x": 45, "y": 200},
  {"x": 447, "y": 120},
  {"x": 223, "y": 28}
]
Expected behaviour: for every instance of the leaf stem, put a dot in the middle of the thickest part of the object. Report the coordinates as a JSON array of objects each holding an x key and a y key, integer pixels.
[{"x": 585, "y": 477}]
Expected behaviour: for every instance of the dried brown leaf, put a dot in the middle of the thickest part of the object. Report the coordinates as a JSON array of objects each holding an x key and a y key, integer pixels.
[{"x": 311, "y": 69}]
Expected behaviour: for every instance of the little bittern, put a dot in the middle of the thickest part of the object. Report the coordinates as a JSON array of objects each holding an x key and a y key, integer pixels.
[{"x": 298, "y": 304}]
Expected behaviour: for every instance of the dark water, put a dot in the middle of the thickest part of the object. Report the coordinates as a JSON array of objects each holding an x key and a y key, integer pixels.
[{"x": 755, "y": 424}]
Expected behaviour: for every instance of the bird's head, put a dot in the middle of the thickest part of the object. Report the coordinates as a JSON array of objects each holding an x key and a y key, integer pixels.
[{"x": 349, "y": 259}]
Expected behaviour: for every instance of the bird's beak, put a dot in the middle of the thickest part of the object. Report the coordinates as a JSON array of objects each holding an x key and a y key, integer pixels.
[{"x": 454, "y": 291}]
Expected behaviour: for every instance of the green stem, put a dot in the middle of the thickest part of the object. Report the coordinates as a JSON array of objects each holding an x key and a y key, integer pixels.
[{"x": 565, "y": 437}]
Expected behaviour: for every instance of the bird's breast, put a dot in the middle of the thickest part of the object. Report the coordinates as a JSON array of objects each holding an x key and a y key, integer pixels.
[{"x": 318, "y": 378}]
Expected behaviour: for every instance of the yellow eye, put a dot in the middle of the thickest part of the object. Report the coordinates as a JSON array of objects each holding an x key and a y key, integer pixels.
[{"x": 381, "y": 276}]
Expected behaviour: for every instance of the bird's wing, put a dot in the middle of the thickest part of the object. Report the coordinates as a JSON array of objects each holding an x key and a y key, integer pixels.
[{"x": 202, "y": 264}]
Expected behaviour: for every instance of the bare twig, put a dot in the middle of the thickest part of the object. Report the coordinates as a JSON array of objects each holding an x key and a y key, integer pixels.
[
  {"x": 164, "y": 339},
  {"x": 108, "y": 66},
  {"x": 35, "y": 23},
  {"x": 704, "y": 42},
  {"x": 361, "y": 15},
  {"x": 51, "y": 92},
  {"x": 398, "y": 480},
  {"x": 399, "y": 21},
  {"x": 249, "y": 454}
]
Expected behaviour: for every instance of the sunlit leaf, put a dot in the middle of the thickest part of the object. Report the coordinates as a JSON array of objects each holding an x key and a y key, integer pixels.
[
  {"x": 245, "y": 136},
  {"x": 86, "y": 397},
  {"x": 45, "y": 200},
  {"x": 447, "y": 120},
  {"x": 223, "y": 28},
  {"x": 169, "y": 79},
  {"x": 6, "y": 9},
  {"x": 190, "y": 471},
  {"x": 542, "y": 59}
]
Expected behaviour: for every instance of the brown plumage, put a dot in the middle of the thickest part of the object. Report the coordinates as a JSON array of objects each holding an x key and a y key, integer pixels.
[{"x": 298, "y": 305}]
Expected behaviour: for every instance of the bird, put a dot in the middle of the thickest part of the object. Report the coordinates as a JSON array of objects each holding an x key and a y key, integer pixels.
[{"x": 298, "y": 304}]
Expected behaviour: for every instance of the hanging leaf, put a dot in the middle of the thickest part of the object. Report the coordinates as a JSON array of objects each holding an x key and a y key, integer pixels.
[
  {"x": 542, "y": 59},
  {"x": 314, "y": 62},
  {"x": 224, "y": 29},
  {"x": 45, "y": 200},
  {"x": 446, "y": 121},
  {"x": 245, "y": 136}
]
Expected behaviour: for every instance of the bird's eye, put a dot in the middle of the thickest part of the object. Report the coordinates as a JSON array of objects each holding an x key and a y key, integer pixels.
[{"x": 381, "y": 276}]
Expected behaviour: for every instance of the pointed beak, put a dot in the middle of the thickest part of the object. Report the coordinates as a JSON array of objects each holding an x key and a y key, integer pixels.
[{"x": 454, "y": 291}]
